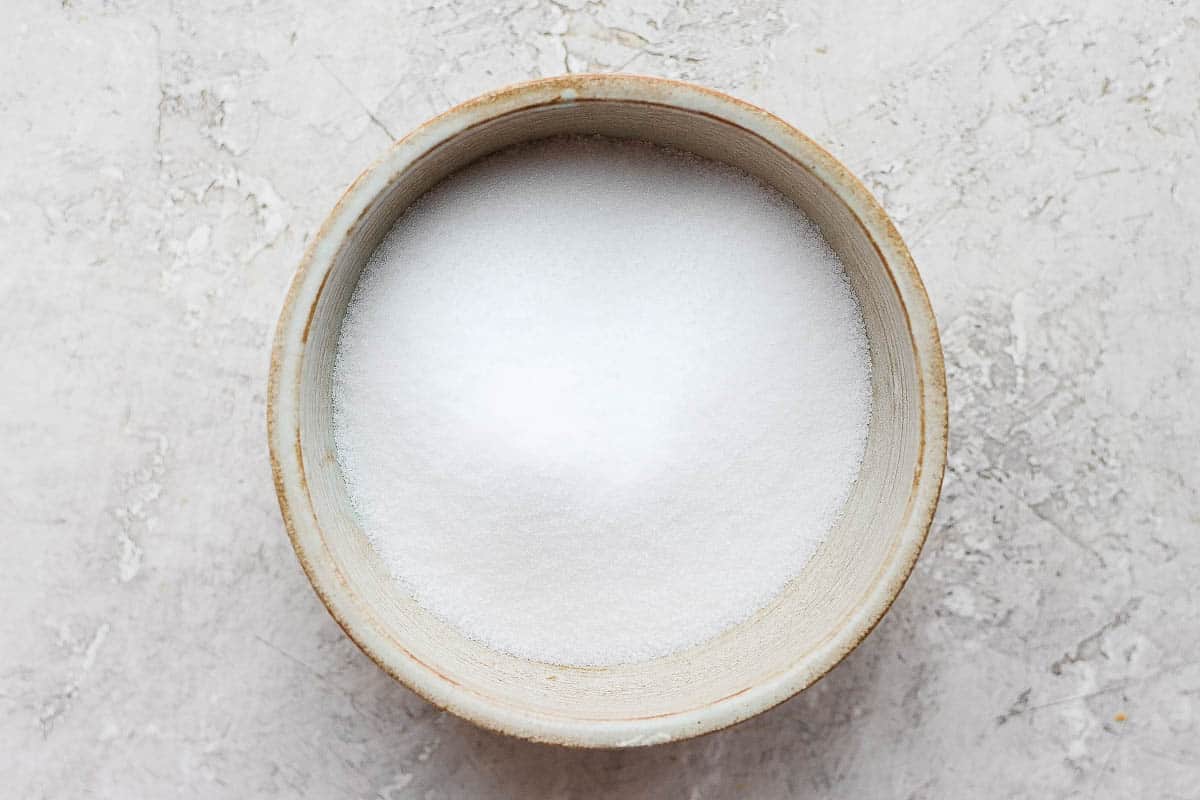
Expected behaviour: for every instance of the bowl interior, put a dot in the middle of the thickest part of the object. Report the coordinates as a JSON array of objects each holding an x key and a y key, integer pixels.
[{"x": 803, "y": 618}]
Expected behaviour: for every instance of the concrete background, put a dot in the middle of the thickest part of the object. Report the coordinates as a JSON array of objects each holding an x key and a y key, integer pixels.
[{"x": 161, "y": 166}]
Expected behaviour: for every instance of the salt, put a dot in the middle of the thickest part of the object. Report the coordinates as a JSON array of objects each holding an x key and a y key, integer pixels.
[{"x": 597, "y": 401}]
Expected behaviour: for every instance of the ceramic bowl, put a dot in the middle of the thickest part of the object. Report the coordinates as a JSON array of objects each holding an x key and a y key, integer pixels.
[{"x": 811, "y": 624}]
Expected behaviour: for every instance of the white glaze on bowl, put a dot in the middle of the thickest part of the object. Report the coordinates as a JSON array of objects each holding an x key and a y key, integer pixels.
[{"x": 810, "y": 626}]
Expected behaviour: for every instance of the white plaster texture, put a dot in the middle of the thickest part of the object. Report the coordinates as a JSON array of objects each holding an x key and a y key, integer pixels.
[{"x": 161, "y": 167}]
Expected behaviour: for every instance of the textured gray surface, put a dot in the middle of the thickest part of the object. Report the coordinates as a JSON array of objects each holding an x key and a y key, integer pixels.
[{"x": 160, "y": 168}]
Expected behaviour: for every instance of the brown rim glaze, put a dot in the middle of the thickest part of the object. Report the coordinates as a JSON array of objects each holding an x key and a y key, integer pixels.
[{"x": 337, "y": 592}]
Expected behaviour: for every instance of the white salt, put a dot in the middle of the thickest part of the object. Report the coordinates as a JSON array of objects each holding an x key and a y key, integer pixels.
[{"x": 597, "y": 401}]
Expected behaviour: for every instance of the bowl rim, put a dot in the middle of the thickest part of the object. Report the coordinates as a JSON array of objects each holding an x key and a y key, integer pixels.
[{"x": 286, "y": 457}]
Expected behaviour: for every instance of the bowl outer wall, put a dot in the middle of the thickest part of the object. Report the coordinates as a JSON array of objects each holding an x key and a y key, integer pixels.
[{"x": 286, "y": 458}]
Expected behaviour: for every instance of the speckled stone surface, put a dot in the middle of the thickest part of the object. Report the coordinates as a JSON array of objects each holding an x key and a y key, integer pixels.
[{"x": 161, "y": 166}]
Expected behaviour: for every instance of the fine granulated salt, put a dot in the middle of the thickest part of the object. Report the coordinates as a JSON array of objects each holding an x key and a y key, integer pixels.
[{"x": 597, "y": 401}]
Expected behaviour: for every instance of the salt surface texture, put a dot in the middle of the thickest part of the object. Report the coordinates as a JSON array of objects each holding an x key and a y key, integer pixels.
[{"x": 596, "y": 401}]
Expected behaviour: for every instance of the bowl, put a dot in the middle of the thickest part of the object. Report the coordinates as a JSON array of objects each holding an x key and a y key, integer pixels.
[{"x": 811, "y": 624}]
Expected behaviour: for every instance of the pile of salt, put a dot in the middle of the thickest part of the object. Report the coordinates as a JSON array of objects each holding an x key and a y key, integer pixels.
[{"x": 597, "y": 401}]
